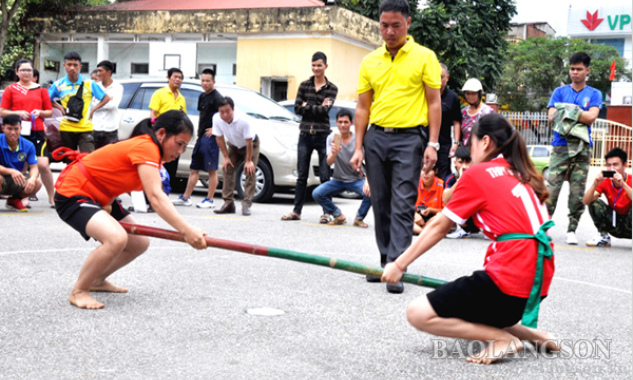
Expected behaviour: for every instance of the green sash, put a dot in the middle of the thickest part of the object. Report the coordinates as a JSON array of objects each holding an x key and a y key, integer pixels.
[{"x": 530, "y": 314}]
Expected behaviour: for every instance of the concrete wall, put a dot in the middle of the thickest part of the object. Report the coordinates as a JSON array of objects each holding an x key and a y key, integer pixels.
[
  {"x": 50, "y": 52},
  {"x": 223, "y": 55},
  {"x": 292, "y": 60},
  {"x": 126, "y": 54}
]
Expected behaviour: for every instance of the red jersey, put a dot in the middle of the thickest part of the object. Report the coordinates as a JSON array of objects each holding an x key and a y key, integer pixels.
[
  {"x": 114, "y": 167},
  {"x": 433, "y": 197},
  {"x": 18, "y": 98},
  {"x": 500, "y": 204},
  {"x": 618, "y": 199}
]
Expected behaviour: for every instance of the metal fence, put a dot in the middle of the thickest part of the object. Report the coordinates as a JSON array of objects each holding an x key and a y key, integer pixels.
[{"x": 538, "y": 130}]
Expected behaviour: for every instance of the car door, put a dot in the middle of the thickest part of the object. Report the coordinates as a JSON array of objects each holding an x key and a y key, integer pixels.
[{"x": 137, "y": 109}]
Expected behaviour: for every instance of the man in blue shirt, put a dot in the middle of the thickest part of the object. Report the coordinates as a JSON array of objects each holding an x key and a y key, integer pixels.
[
  {"x": 15, "y": 151},
  {"x": 562, "y": 160}
]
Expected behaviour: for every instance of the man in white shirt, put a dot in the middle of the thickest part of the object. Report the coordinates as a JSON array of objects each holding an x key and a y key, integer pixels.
[
  {"x": 243, "y": 145},
  {"x": 105, "y": 120}
]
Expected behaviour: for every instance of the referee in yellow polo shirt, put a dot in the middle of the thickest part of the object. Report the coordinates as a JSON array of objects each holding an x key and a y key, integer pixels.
[
  {"x": 168, "y": 98},
  {"x": 399, "y": 98}
]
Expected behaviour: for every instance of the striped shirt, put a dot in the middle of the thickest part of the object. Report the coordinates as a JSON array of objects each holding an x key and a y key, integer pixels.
[{"x": 314, "y": 115}]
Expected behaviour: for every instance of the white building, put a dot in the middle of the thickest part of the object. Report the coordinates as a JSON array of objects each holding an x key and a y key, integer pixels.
[{"x": 603, "y": 24}]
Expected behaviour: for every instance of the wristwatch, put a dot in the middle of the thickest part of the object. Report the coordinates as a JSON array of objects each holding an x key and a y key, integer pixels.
[
  {"x": 435, "y": 145},
  {"x": 458, "y": 143}
]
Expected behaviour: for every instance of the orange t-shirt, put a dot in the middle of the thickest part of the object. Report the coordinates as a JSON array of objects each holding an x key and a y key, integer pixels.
[
  {"x": 114, "y": 167},
  {"x": 433, "y": 197}
]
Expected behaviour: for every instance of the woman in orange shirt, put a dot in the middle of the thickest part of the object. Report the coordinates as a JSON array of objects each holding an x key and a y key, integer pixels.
[{"x": 86, "y": 199}]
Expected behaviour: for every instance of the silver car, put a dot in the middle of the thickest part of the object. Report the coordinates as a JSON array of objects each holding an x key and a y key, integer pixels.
[{"x": 276, "y": 127}]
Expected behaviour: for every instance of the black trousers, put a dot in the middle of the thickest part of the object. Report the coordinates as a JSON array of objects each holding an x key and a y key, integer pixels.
[
  {"x": 393, "y": 164},
  {"x": 308, "y": 143}
]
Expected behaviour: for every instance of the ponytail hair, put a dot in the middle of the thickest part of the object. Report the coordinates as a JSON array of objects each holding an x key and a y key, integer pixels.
[
  {"x": 511, "y": 144},
  {"x": 173, "y": 122}
]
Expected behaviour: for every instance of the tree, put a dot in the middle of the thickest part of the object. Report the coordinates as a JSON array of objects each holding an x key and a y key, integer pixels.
[
  {"x": 8, "y": 10},
  {"x": 536, "y": 66},
  {"x": 467, "y": 36},
  {"x": 15, "y": 42}
]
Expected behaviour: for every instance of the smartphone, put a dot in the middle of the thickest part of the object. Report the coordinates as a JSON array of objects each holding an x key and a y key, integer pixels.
[
  {"x": 421, "y": 208},
  {"x": 608, "y": 173}
]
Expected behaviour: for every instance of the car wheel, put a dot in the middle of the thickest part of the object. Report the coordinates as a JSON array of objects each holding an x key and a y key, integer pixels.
[
  {"x": 205, "y": 183},
  {"x": 264, "y": 186},
  {"x": 546, "y": 174}
]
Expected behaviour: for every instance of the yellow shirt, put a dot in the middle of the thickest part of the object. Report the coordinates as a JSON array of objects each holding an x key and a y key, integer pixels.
[
  {"x": 398, "y": 84},
  {"x": 163, "y": 101}
]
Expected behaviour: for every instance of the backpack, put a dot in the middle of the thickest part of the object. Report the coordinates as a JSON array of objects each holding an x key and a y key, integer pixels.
[{"x": 75, "y": 106}]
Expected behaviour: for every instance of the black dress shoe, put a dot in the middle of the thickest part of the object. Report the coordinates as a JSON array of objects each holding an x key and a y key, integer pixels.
[
  {"x": 227, "y": 208},
  {"x": 370, "y": 278},
  {"x": 395, "y": 288}
]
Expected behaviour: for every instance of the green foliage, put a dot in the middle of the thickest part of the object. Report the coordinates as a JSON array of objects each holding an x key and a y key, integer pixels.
[
  {"x": 535, "y": 67},
  {"x": 467, "y": 36},
  {"x": 19, "y": 43}
]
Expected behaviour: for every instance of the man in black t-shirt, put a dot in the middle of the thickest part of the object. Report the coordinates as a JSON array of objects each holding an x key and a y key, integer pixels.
[
  {"x": 451, "y": 117},
  {"x": 206, "y": 152}
]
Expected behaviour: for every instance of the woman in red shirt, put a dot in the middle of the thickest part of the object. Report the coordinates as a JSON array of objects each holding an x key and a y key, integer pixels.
[
  {"x": 31, "y": 102},
  {"x": 86, "y": 199},
  {"x": 505, "y": 195}
]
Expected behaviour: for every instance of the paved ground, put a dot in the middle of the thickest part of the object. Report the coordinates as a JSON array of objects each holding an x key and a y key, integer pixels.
[{"x": 186, "y": 315}]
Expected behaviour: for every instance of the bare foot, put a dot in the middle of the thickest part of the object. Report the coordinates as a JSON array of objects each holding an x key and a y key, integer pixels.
[
  {"x": 551, "y": 343},
  {"x": 83, "y": 300},
  {"x": 496, "y": 350},
  {"x": 106, "y": 286}
]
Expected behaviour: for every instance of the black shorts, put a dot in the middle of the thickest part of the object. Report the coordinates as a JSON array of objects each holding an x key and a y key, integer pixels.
[
  {"x": 205, "y": 154},
  {"x": 9, "y": 187},
  {"x": 476, "y": 298},
  {"x": 77, "y": 211},
  {"x": 39, "y": 140}
]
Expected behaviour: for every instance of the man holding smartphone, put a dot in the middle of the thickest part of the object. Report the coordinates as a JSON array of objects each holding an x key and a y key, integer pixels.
[{"x": 613, "y": 218}]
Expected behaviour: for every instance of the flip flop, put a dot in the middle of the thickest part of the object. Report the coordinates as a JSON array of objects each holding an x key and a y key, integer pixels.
[
  {"x": 33, "y": 198},
  {"x": 360, "y": 223},
  {"x": 291, "y": 216},
  {"x": 325, "y": 218},
  {"x": 337, "y": 221}
]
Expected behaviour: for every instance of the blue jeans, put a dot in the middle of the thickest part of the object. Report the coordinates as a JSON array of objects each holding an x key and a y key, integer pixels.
[
  {"x": 324, "y": 193},
  {"x": 307, "y": 143}
]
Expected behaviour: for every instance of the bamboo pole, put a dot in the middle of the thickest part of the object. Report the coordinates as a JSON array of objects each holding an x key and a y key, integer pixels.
[{"x": 348, "y": 266}]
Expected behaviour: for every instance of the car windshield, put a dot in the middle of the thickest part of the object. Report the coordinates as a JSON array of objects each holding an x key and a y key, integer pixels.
[{"x": 257, "y": 105}]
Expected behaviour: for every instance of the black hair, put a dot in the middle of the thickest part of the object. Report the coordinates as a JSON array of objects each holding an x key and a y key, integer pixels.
[
  {"x": 173, "y": 70},
  {"x": 95, "y": 71},
  {"x": 580, "y": 57},
  {"x": 11, "y": 119},
  {"x": 319, "y": 55},
  {"x": 22, "y": 61},
  {"x": 226, "y": 100},
  {"x": 208, "y": 72},
  {"x": 345, "y": 112},
  {"x": 617, "y": 152},
  {"x": 72, "y": 56},
  {"x": 173, "y": 122},
  {"x": 36, "y": 74},
  {"x": 511, "y": 144},
  {"x": 107, "y": 65},
  {"x": 400, "y": 6},
  {"x": 463, "y": 153}
]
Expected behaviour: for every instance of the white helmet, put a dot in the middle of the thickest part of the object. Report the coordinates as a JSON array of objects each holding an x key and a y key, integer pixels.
[{"x": 473, "y": 85}]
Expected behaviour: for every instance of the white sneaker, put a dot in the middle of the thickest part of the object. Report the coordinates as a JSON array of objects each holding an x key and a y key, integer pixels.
[
  {"x": 571, "y": 239},
  {"x": 206, "y": 203},
  {"x": 459, "y": 234},
  {"x": 600, "y": 241},
  {"x": 182, "y": 201}
]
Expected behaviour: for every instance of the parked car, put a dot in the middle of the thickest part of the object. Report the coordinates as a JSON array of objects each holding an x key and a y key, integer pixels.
[
  {"x": 276, "y": 128},
  {"x": 540, "y": 157},
  {"x": 338, "y": 104}
]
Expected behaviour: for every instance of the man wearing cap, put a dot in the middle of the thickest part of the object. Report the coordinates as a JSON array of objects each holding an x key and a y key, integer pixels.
[
  {"x": 399, "y": 97},
  {"x": 105, "y": 120}
]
